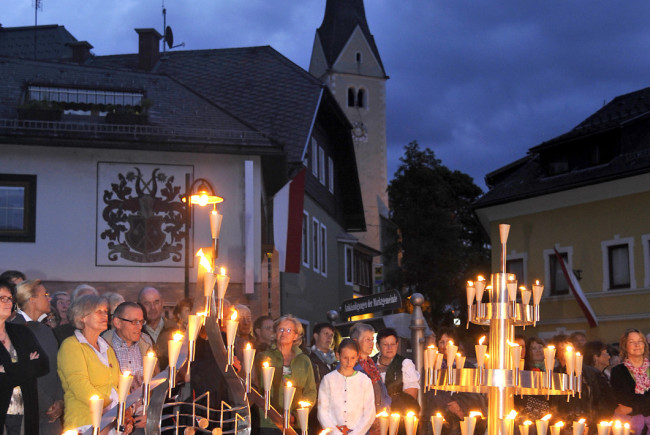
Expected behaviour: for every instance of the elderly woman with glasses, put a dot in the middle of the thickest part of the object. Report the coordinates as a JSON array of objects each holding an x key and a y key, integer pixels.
[
  {"x": 631, "y": 381},
  {"x": 87, "y": 365},
  {"x": 291, "y": 364},
  {"x": 21, "y": 361}
]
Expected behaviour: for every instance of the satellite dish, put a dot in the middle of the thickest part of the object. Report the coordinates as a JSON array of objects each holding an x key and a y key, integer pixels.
[{"x": 169, "y": 37}]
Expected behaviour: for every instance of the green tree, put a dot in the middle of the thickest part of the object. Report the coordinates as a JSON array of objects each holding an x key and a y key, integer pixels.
[{"x": 440, "y": 239}]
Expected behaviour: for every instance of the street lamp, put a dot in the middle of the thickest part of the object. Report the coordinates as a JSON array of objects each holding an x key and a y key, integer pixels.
[{"x": 200, "y": 193}]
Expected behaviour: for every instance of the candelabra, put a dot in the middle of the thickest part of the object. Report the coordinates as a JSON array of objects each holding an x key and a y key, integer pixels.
[{"x": 499, "y": 376}]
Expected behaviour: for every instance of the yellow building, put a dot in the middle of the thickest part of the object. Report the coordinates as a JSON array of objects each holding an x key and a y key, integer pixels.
[{"x": 585, "y": 194}]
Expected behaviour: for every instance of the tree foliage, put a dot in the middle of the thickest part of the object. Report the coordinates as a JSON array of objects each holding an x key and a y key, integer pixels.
[{"x": 441, "y": 242}]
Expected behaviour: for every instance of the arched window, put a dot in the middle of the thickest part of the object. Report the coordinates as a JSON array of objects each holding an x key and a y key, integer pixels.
[
  {"x": 361, "y": 98},
  {"x": 358, "y": 56},
  {"x": 351, "y": 97}
]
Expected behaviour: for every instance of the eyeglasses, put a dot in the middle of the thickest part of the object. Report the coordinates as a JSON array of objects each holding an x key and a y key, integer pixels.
[
  {"x": 287, "y": 330},
  {"x": 636, "y": 343},
  {"x": 134, "y": 322},
  {"x": 6, "y": 299}
]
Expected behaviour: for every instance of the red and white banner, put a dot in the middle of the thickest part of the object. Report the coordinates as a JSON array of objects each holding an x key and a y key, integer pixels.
[
  {"x": 574, "y": 285},
  {"x": 287, "y": 223}
]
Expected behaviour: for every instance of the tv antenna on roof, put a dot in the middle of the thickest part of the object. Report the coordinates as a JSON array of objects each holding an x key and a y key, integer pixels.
[
  {"x": 168, "y": 38},
  {"x": 38, "y": 4}
]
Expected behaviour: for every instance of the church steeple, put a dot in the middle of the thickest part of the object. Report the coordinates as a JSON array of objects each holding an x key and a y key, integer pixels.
[{"x": 341, "y": 19}]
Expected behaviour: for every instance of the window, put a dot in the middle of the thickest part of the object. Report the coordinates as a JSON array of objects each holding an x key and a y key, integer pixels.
[
  {"x": 351, "y": 97},
  {"x": 349, "y": 265},
  {"x": 363, "y": 273},
  {"x": 330, "y": 175},
  {"x": 315, "y": 245},
  {"x": 618, "y": 267},
  {"x": 314, "y": 157},
  {"x": 555, "y": 280},
  {"x": 84, "y": 96},
  {"x": 323, "y": 249},
  {"x": 305, "y": 239},
  {"x": 361, "y": 98},
  {"x": 358, "y": 57},
  {"x": 645, "y": 239},
  {"x": 321, "y": 168},
  {"x": 516, "y": 263},
  {"x": 17, "y": 208}
]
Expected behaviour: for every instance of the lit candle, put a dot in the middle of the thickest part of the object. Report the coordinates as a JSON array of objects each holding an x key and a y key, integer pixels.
[
  {"x": 578, "y": 364},
  {"x": 525, "y": 295},
  {"x": 124, "y": 385},
  {"x": 231, "y": 328},
  {"x": 410, "y": 423},
  {"x": 473, "y": 415},
  {"x": 542, "y": 424},
  {"x": 249, "y": 356},
  {"x": 549, "y": 357},
  {"x": 556, "y": 429},
  {"x": 429, "y": 357},
  {"x": 626, "y": 429},
  {"x": 451, "y": 353},
  {"x": 617, "y": 428},
  {"x": 538, "y": 290},
  {"x": 303, "y": 416},
  {"x": 436, "y": 422},
  {"x": 394, "y": 423},
  {"x": 480, "y": 288},
  {"x": 603, "y": 427},
  {"x": 96, "y": 408},
  {"x": 507, "y": 424},
  {"x": 515, "y": 355},
  {"x": 193, "y": 326},
  {"x": 289, "y": 390},
  {"x": 570, "y": 360},
  {"x": 511, "y": 285},
  {"x": 222, "y": 283},
  {"x": 439, "y": 359},
  {"x": 579, "y": 427},
  {"x": 460, "y": 361},
  {"x": 471, "y": 295},
  {"x": 148, "y": 366},
  {"x": 481, "y": 349},
  {"x": 174, "y": 348},
  {"x": 383, "y": 422},
  {"x": 525, "y": 427},
  {"x": 215, "y": 223},
  {"x": 267, "y": 375}
]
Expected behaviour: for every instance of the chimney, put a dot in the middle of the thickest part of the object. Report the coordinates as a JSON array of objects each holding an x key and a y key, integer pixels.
[
  {"x": 80, "y": 51},
  {"x": 148, "y": 48}
]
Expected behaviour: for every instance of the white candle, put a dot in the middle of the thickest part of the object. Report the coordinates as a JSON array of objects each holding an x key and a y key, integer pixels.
[
  {"x": 436, "y": 422},
  {"x": 511, "y": 285},
  {"x": 603, "y": 427},
  {"x": 466, "y": 426},
  {"x": 471, "y": 292},
  {"x": 222, "y": 283},
  {"x": 394, "y": 424},
  {"x": 123, "y": 386},
  {"x": 289, "y": 391},
  {"x": 193, "y": 326},
  {"x": 480, "y": 288},
  {"x": 579, "y": 427},
  {"x": 231, "y": 328},
  {"x": 148, "y": 366},
  {"x": 209, "y": 279},
  {"x": 439, "y": 358},
  {"x": 451, "y": 353},
  {"x": 542, "y": 424},
  {"x": 96, "y": 408},
  {"x": 626, "y": 429},
  {"x": 303, "y": 415},
  {"x": 617, "y": 428},
  {"x": 556, "y": 429},
  {"x": 249, "y": 356},
  {"x": 549, "y": 357},
  {"x": 570, "y": 360},
  {"x": 525, "y": 295},
  {"x": 460, "y": 361},
  {"x": 410, "y": 423},
  {"x": 215, "y": 223},
  {"x": 515, "y": 355},
  {"x": 525, "y": 427},
  {"x": 267, "y": 376},
  {"x": 538, "y": 290},
  {"x": 578, "y": 362},
  {"x": 174, "y": 348},
  {"x": 383, "y": 422},
  {"x": 481, "y": 349}
]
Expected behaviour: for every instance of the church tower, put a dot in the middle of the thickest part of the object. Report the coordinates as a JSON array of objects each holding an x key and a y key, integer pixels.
[{"x": 346, "y": 58}]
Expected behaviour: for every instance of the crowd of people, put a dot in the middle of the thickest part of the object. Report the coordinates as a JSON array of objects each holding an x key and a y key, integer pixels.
[{"x": 58, "y": 350}]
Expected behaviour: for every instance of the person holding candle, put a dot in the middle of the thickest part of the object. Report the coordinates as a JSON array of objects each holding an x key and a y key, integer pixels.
[
  {"x": 22, "y": 360},
  {"x": 346, "y": 401},
  {"x": 87, "y": 365},
  {"x": 291, "y": 364},
  {"x": 631, "y": 381},
  {"x": 323, "y": 359},
  {"x": 33, "y": 300},
  {"x": 578, "y": 406}
]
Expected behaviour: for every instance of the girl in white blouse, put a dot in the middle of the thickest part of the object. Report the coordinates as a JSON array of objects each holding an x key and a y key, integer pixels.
[{"x": 346, "y": 400}]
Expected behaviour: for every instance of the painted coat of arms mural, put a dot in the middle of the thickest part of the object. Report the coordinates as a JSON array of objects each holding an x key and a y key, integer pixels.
[{"x": 140, "y": 216}]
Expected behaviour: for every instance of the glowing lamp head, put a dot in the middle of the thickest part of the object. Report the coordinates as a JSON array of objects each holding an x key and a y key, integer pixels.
[{"x": 481, "y": 340}]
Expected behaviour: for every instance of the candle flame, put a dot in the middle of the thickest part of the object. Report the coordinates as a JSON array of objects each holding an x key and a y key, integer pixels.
[
  {"x": 248, "y": 346},
  {"x": 511, "y": 344},
  {"x": 512, "y": 415},
  {"x": 151, "y": 354},
  {"x": 382, "y": 414},
  {"x": 438, "y": 414},
  {"x": 178, "y": 336},
  {"x": 481, "y": 340},
  {"x": 222, "y": 271},
  {"x": 304, "y": 404},
  {"x": 559, "y": 424},
  {"x": 325, "y": 431},
  {"x": 511, "y": 277},
  {"x": 475, "y": 414},
  {"x": 550, "y": 346},
  {"x": 626, "y": 425},
  {"x": 410, "y": 414},
  {"x": 433, "y": 346},
  {"x": 536, "y": 282},
  {"x": 126, "y": 374},
  {"x": 451, "y": 342},
  {"x": 289, "y": 384},
  {"x": 527, "y": 423},
  {"x": 569, "y": 349},
  {"x": 522, "y": 288},
  {"x": 395, "y": 415},
  {"x": 577, "y": 353},
  {"x": 204, "y": 260},
  {"x": 582, "y": 420},
  {"x": 617, "y": 424},
  {"x": 480, "y": 278},
  {"x": 605, "y": 423},
  {"x": 265, "y": 364},
  {"x": 470, "y": 283},
  {"x": 94, "y": 397},
  {"x": 458, "y": 354},
  {"x": 546, "y": 417},
  {"x": 487, "y": 356},
  {"x": 234, "y": 315},
  {"x": 70, "y": 432}
]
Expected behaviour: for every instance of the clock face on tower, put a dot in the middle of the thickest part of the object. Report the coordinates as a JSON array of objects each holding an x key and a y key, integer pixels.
[{"x": 359, "y": 132}]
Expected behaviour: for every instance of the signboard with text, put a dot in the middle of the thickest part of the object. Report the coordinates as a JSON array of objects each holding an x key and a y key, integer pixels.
[{"x": 371, "y": 304}]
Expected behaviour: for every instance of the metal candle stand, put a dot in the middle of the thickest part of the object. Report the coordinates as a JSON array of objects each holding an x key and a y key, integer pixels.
[{"x": 502, "y": 378}]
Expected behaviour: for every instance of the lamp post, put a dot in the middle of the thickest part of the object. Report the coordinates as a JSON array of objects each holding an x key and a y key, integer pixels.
[{"x": 200, "y": 192}]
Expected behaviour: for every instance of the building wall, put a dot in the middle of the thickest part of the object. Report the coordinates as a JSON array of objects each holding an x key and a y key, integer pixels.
[
  {"x": 582, "y": 222},
  {"x": 66, "y": 210},
  {"x": 309, "y": 295}
]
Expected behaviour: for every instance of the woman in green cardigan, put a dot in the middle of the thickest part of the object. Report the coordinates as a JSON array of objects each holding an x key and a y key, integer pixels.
[{"x": 291, "y": 364}]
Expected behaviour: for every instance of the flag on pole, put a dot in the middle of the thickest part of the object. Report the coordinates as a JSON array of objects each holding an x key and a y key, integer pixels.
[
  {"x": 287, "y": 223},
  {"x": 574, "y": 285}
]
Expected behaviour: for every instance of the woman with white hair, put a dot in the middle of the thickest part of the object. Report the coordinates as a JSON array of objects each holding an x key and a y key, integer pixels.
[
  {"x": 291, "y": 364},
  {"x": 87, "y": 363}
]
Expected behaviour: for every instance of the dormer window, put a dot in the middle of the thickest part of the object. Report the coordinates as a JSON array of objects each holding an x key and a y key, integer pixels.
[{"x": 74, "y": 96}]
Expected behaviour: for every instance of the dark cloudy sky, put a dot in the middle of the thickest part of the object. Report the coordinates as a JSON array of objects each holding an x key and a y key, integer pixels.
[{"x": 477, "y": 81}]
